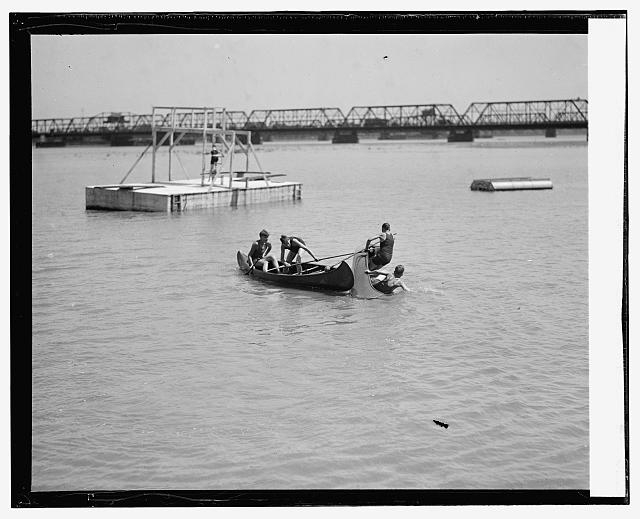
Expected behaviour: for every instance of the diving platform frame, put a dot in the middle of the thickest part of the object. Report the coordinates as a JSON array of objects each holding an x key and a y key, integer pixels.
[{"x": 230, "y": 183}]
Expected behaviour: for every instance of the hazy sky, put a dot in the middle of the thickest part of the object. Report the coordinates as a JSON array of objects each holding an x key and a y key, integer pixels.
[{"x": 76, "y": 75}]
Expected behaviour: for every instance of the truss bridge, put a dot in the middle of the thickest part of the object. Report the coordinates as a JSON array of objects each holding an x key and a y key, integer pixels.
[{"x": 125, "y": 128}]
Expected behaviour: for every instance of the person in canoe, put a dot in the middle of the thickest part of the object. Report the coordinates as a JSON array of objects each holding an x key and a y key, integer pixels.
[
  {"x": 259, "y": 256},
  {"x": 293, "y": 244},
  {"x": 390, "y": 281},
  {"x": 382, "y": 256}
]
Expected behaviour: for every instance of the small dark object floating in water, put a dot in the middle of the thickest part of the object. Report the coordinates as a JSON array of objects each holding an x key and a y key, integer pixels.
[
  {"x": 441, "y": 424},
  {"x": 511, "y": 184}
]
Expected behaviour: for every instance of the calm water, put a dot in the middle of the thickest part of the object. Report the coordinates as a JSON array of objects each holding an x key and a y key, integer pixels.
[{"x": 156, "y": 364}]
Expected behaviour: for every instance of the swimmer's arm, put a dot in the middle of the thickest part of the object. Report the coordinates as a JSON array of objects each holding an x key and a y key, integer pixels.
[
  {"x": 374, "y": 238},
  {"x": 304, "y": 247},
  {"x": 376, "y": 272},
  {"x": 403, "y": 286}
]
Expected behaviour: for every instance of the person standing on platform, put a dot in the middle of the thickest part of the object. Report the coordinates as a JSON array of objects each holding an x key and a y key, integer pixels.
[
  {"x": 380, "y": 257},
  {"x": 215, "y": 157}
]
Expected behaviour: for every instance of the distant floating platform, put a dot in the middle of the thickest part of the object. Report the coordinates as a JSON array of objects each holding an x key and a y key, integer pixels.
[
  {"x": 511, "y": 184},
  {"x": 185, "y": 195}
]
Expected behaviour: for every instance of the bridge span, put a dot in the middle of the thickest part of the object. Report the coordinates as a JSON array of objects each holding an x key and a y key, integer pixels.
[{"x": 428, "y": 119}]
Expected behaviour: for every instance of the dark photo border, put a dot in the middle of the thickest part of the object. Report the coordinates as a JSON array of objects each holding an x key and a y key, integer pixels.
[{"x": 23, "y": 25}]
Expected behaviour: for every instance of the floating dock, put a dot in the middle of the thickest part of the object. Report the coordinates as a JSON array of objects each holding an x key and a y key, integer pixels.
[
  {"x": 511, "y": 184},
  {"x": 220, "y": 183},
  {"x": 185, "y": 195}
]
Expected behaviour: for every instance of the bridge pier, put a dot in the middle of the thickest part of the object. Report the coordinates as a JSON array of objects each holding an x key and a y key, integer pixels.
[
  {"x": 460, "y": 135},
  {"x": 386, "y": 135},
  {"x": 121, "y": 139},
  {"x": 345, "y": 137},
  {"x": 51, "y": 142},
  {"x": 256, "y": 138},
  {"x": 550, "y": 132},
  {"x": 483, "y": 134}
]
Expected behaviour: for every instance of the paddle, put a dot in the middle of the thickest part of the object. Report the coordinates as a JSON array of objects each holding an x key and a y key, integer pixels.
[
  {"x": 315, "y": 267},
  {"x": 268, "y": 270},
  {"x": 253, "y": 265},
  {"x": 340, "y": 255},
  {"x": 275, "y": 268}
]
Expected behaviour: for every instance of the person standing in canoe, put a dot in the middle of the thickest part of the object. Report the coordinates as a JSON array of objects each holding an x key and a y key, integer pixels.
[
  {"x": 390, "y": 281},
  {"x": 259, "y": 253},
  {"x": 293, "y": 244},
  {"x": 384, "y": 253}
]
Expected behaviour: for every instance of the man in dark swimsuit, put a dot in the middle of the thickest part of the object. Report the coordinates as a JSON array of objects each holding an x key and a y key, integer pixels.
[
  {"x": 259, "y": 253},
  {"x": 215, "y": 156},
  {"x": 390, "y": 281},
  {"x": 384, "y": 253},
  {"x": 293, "y": 244}
]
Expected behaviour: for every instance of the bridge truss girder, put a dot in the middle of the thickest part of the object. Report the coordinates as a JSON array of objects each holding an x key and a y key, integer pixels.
[
  {"x": 401, "y": 116},
  {"x": 296, "y": 118},
  {"x": 570, "y": 112},
  {"x": 109, "y": 122}
]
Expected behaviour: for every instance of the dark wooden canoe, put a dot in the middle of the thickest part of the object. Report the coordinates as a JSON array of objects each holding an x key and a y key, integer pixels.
[
  {"x": 362, "y": 286},
  {"x": 314, "y": 276}
]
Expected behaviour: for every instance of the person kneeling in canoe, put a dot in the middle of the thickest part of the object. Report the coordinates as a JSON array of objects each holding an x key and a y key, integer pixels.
[
  {"x": 293, "y": 244},
  {"x": 390, "y": 281},
  {"x": 382, "y": 256},
  {"x": 259, "y": 254}
]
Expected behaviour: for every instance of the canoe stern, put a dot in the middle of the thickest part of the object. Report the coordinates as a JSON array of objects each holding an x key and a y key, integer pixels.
[{"x": 362, "y": 287}]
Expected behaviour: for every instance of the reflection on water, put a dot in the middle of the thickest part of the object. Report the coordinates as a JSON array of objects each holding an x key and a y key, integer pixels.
[{"x": 157, "y": 364}]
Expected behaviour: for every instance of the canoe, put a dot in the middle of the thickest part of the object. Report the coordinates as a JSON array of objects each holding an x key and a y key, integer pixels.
[
  {"x": 314, "y": 276},
  {"x": 362, "y": 286}
]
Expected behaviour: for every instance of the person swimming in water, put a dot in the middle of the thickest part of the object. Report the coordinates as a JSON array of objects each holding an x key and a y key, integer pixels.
[
  {"x": 390, "y": 282},
  {"x": 383, "y": 255}
]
